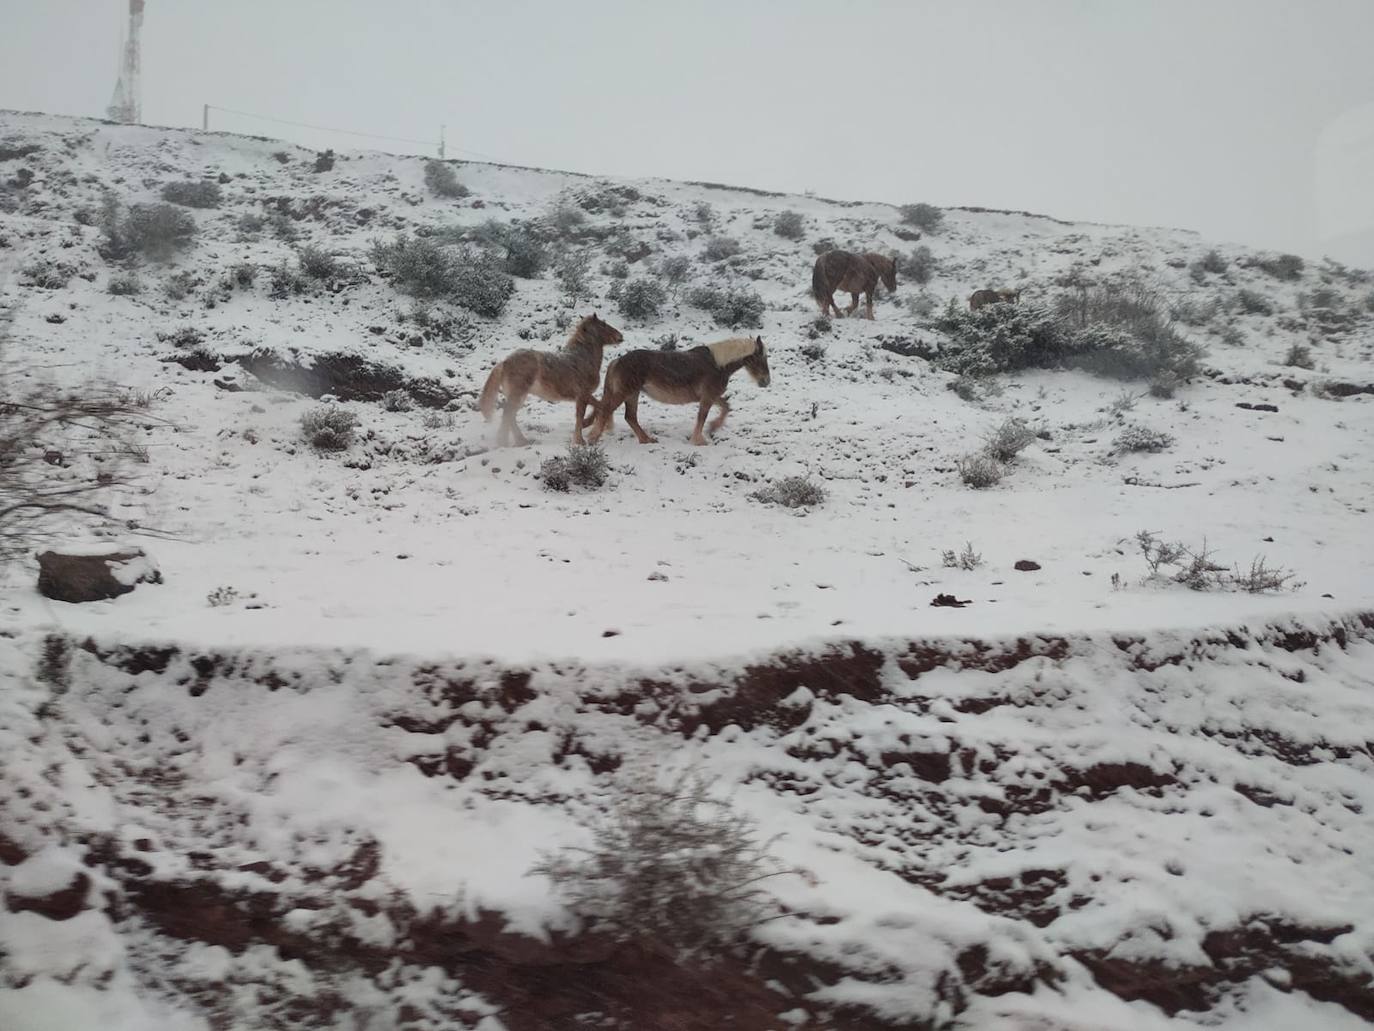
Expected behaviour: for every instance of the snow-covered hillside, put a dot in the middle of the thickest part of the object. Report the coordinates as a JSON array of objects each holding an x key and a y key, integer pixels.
[{"x": 1195, "y": 818}]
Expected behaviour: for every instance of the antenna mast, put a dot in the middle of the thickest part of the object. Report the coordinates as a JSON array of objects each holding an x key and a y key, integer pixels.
[{"x": 127, "y": 103}]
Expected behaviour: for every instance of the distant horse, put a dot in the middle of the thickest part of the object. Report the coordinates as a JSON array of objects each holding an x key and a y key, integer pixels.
[
  {"x": 979, "y": 298},
  {"x": 679, "y": 378},
  {"x": 568, "y": 375},
  {"x": 853, "y": 273}
]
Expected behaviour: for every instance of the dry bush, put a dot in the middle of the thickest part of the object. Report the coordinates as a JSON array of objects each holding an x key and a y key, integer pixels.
[
  {"x": 967, "y": 559},
  {"x": 329, "y": 428},
  {"x": 442, "y": 180},
  {"x": 981, "y": 471},
  {"x": 1008, "y": 440},
  {"x": 791, "y": 492},
  {"x": 671, "y": 868},
  {"x": 585, "y": 465}
]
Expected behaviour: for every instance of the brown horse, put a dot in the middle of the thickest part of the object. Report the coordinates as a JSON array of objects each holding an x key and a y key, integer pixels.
[
  {"x": 568, "y": 375},
  {"x": 679, "y": 378},
  {"x": 979, "y": 298},
  {"x": 853, "y": 273}
]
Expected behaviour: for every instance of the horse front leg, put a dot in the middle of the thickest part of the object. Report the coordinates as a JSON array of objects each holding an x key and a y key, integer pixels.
[
  {"x": 581, "y": 415},
  {"x": 869, "y": 298},
  {"x": 853, "y": 304},
  {"x": 632, "y": 419}
]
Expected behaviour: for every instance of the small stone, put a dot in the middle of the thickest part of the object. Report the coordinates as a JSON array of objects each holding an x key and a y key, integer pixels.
[{"x": 1026, "y": 565}]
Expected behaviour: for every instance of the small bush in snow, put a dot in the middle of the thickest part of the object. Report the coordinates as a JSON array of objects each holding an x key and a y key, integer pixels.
[
  {"x": 424, "y": 269},
  {"x": 1299, "y": 356},
  {"x": 718, "y": 248},
  {"x": 813, "y": 351},
  {"x": 922, "y": 304},
  {"x": 244, "y": 273},
  {"x": 789, "y": 225},
  {"x": 1164, "y": 385},
  {"x": 925, "y": 217},
  {"x": 675, "y": 269},
  {"x": 617, "y": 269},
  {"x": 980, "y": 471},
  {"x": 585, "y": 465},
  {"x": 1195, "y": 568},
  {"x": 1008, "y": 440},
  {"x": 1212, "y": 262},
  {"x": 1252, "y": 302},
  {"x": 918, "y": 266},
  {"x": 1232, "y": 336},
  {"x": 157, "y": 230},
  {"x": 642, "y": 298},
  {"x": 729, "y": 307},
  {"x": 397, "y": 401},
  {"x": 571, "y": 270},
  {"x": 791, "y": 492},
  {"x": 193, "y": 194},
  {"x": 703, "y": 213},
  {"x": 671, "y": 868},
  {"x": 1135, "y": 437},
  {"x": 525, "y": 255},
  {"x": 1260, "y": 578},
  {"x": 442, "y": 180},
  {"x": 178, "y": 286},
  {"x": 999, "y": 338},
  {"x": 667, "y": 342},
  {"x": 966, "y": 559},
  {"x": 324, "y": 161},
  {"x": 1321, "y": 297},
  {"x": 182, "y": 336},
  {"x": 329, "y": 428},
  {"x": 1282, "y": 266},
  {"x": 286, "y": 281},
  {"x": 1124, "y": 332},
  {"x": 124, "y": 284},
  {"x": 319, "y": 264},
  {"x": 250, "y": 224},
  {"x": 1193, "y": 312},
  {"x": 222, "y": 596},
  {"x": 970, "y": 388},
  {"x": 566, "y": 220}
]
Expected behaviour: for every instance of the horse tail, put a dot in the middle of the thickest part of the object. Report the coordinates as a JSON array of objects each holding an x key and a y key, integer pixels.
[
  {"x": 818, "y": 283},
  {"x": 487, "y": 403}
]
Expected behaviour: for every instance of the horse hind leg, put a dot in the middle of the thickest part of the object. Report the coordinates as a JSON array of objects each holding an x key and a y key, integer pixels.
[
  {"x": 510, "y": 429},
  {"x": 702, "y": 411},
  {"x": 853, "y": 304},
  {"x": 869, "y": 298}
]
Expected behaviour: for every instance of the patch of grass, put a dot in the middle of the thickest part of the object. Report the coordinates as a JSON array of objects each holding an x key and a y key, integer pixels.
[
  {"x": 968, "y": 559},
  {"x": 1299, "y": 356},
  {"x": 1008, "y": 440},
  {"x": 925, "y": 217},
  {"x": 1134, "y": 438},
  {"x": 789, "y": 225},
  {"x": 204, "y": 194},
  {"x": 791, "y": 492}
]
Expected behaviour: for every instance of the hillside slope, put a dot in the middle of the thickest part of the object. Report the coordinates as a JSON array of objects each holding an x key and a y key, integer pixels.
[{"x": 302, "y": 782}]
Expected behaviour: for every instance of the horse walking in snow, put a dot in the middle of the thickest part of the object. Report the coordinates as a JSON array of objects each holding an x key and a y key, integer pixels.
[
  {"x": 571, "y": 374},
  {"x": 698, "y": 376},
  {"x": 853, "y": 273}
]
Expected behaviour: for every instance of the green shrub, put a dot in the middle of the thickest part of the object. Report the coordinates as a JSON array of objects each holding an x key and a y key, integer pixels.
[
  {"x": 424, "y": 269},
  {"x": 642, "y": 298},
  {"x": 729, "y": 306},
  {"x": 791, "y": 492},
  {"x": 789, "y": 225},
  {"x": 156, "y": 231},
  {"x": 329, "y": 428}
]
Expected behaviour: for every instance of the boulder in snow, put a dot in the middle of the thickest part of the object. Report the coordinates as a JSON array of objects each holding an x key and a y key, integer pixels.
[{"x": 94, "y": 574}]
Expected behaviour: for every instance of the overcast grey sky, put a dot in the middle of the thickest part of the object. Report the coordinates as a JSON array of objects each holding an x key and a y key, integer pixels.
[{"x": 1248, "y": 120}]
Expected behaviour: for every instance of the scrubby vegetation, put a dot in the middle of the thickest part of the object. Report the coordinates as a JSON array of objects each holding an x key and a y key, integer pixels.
[
  {"x": 981, "y": 470},
  {"x": 1282, "y": 266},
  {"x": 156, "y": 231},
  {"x": 1196, "y": 568},
  {"x": 968, "y": 559},
  {"x": 729, "y": 306},
  {"x": 442, "y": 180},
  {"x": 205, "y": 194},
  {"x": 925, "y": 217},
  {"x": 329, "y": 428},
  {"x": 585, "y": 465},
  {"x": 124, "y": 284},
  {"x": 1252, "y": 302},
  {"x": 319, "y": 264},
  {"x": 1299, "y": 356},
  {"x": 422, "y": 268},
  {"x": 1008, "y": 440},
  {"x": 718, "y": 248},
  {"x": 642, "y": 298},
  {"x": 791, "y": 492},
  {"x": 789, "y": 225},
  {"x": 918, "y": 266},
  {"x": 1134, "y": 437},
  {"x": 670, "y": 867}
]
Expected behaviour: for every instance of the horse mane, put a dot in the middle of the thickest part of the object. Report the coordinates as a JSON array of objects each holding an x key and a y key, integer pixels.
[
  {"x": 591, "y": 330},
  {"x": 726, "y": 351}
]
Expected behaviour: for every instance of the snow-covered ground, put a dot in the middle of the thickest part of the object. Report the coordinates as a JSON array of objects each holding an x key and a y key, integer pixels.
[{"x": 423, "y": 545}]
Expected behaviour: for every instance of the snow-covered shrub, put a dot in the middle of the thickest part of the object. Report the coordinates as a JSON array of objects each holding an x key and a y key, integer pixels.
[
  {"x": 675, "y": 269},
  {"x": 442, "y": 180},
  {"x": 642, "y": 298},
  {"x": 286, "y": 281},
  {"x": 179, "y": 285},
  {"x": 729, "y": 306},
  {"x": 1232, "y": 336},
  {"x": 925, "y": 217},
  {"x": 671, "y": 868},
  {"x": 1124, "y": 332},
  {"x": 1252, "y": 302},
  {"x": 424, "y": 269},
  {"x": 1196, "y": 569},
  {"x": 156, "y": 231},
  {"x": 47, "y": 274},
  {"x": 222, "y": 596},
  {"x": 967, "y": 559},
  {"x": 1135, "y": 437},
  {"x": 922, "y": 304},
  {"x": 397, "y": 401},
  {"x": 969, "y": 388},
  {"x": 791, "y": 492},
  {"x": 812, "y": 351},
  {"x": 981, "y": 470},
  {"x": 1321, "y": 297},
  {"x": 1164, "y": 385},
  {"x": 525, "y": 255},
  {"x": 1282, "y": 266},
  {"x": 1008, "y": 440},
  {"x": 585, "y": 465},
  {"x": 570, "y": 269},
  {"x": 204, "y": 194},
  {"x": 329, "y": 428},
  {"x": 718, "y": 248},
  {"x": 1299, "y": 356},
  {"x": 999, "y": 338},
  {"x": 324, "y": 161},
  {"x": 703, "y": 213},
  {"x": 789, "y": 225},
  {"x": 565, "y": 220},
  {"x": 124, "y": 284},
  {"x": 1212, "y": 262},
  {"x": 244, "y": 273},
  {"x": 918, "y": 266},
  {"x": 182, "y": 336},
  {"x": 1194, "y": 312},
  {"x": 319, "y": 264}
]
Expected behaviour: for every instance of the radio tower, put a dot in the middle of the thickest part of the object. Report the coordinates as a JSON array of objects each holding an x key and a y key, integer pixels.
[{"x": 127, "y": 104}]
